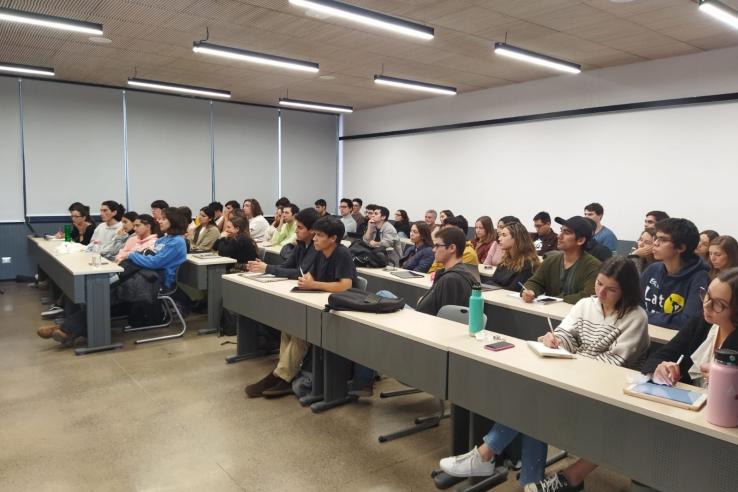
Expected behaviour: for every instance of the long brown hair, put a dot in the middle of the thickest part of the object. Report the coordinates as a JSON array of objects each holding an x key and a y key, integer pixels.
[
  {"x": 730, "y": 277},
  {"x": 523, "y": 250},
  {"x": 242, "y": 224},
  {"x": 425, "y": 233},
  {"x": 490, "y": 233},
  {"x": 626, "y": 275},
  {"x": 730, "y": 246}
]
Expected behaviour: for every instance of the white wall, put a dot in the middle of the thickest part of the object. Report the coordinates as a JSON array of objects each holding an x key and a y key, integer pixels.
[{"x": 670, "y": 159}]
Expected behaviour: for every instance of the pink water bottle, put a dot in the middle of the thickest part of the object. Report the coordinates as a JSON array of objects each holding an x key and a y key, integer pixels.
[{"x": 722, "y": 392}]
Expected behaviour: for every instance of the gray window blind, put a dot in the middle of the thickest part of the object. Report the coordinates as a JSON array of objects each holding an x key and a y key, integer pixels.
[
  {"x": 168, "y": 151},
  {"x": 73, "y": 146},
  {"x": 309, "y": 158},
  {"x": 246, "y": 153},
  {"x": 11, "y": 184}
]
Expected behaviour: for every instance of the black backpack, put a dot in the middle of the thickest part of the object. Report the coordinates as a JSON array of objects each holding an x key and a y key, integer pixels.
[
  {"x": 366, "y": 256},
  {"x": 361, "y": 300}
]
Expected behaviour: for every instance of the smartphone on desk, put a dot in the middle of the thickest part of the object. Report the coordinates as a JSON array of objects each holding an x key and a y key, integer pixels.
[{"x": 497, "y": 346}]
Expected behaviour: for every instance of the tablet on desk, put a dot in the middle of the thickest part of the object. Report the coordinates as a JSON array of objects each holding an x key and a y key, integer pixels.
[
  {"x": 205, "y": 256},
  {"x": 407, "y": 274},
  {"x": 677, "y": 397}
]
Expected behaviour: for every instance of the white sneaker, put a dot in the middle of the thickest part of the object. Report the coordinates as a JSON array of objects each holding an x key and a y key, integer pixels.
[
  {"x": 470, "y": 464},
  {"x": 52, "y": 311}
]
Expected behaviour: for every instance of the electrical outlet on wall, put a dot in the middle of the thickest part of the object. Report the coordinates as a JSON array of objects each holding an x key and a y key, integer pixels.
[{"x": 7, "y": 259}]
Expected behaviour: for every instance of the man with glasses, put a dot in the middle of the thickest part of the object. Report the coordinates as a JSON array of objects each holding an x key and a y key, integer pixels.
[
  {"x": 571, "y": 273},
  {"x": 672, "y": 283},
  {"x": 544, "y": 239},
  {"x": 453, "y": 283},
  {"x": 345, "y": 209}
]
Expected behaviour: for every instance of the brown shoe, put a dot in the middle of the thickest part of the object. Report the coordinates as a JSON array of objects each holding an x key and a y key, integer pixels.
[
  {"x": 255, "y": 390},
  {"x": 280, "y": 389},
  {"x": 62, "y": 337},
  {"x": 47, "y": 331}
]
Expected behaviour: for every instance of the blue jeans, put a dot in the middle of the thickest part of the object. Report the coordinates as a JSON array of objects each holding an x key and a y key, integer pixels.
[
  {"x": 534, "y": 451},
  {"x": 389, "y": 295}
]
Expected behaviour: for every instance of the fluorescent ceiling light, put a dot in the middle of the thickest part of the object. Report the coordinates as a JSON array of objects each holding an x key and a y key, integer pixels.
[
  {"x": 367, "y": 17},
  {"x": 11, "y": 15},
  {"x": 536, "y": 58},
  {"x": 184, "y": 89},
  {"x": 27, "y": 69},
  {"x": 720, "y": 11},
  {"x": 297, "y": 103},
  {"x": 415, "y": 85},
  {"x": 253, "y": 57}
]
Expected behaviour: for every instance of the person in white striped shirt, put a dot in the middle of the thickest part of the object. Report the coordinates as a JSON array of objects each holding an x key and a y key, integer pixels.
[{"x": 611, "y": 327}]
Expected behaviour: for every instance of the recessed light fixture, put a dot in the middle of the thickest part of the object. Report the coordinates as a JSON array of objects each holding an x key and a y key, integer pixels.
[
  {"x": 183, "y": 89},
  {"x": 298, "y": 103},
  {"x": 26, "y": 69},
  {"x": 415, "y": 85},
  {"x": 536, "y": 58},
  {"x": 52, "y": 22},
  {"x": 367, "y": 17},
  {"x": 327, "y": 77},
  {"x": 253, "y": 57},
  {"x": 720, "y": 11},
  {"x": 99, "y": 39}
]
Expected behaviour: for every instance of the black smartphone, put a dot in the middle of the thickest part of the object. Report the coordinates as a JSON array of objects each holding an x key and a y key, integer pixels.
[{"x": 497, "y": 346}]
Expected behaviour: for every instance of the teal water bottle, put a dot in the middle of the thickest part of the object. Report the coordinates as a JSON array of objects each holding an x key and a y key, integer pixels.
[
  {"x": 67, "y": 233},
  {"x": 476, "y": 310}
]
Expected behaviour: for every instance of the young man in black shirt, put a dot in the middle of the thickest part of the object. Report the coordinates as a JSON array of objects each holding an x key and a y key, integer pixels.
[
  {"x": 544, "y": 239},
  {"x": 332, "y": 271}
]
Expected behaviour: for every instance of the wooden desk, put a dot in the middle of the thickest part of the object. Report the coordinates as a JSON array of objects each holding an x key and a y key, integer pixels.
[
  {"x": 205, "y": 274},
  {"x": 83, "y": 284},
  {"x": 578, "y": 405}
]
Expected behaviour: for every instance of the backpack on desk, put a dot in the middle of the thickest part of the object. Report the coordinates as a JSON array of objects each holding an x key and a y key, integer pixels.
[
  {"x": 363, "y": 301},
  {"x": 366, "y": 256}
]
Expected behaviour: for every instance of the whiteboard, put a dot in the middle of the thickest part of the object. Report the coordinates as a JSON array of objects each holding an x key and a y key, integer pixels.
[{"x": 682, "y": 160}]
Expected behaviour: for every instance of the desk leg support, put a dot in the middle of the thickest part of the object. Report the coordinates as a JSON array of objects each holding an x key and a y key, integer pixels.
[
  {"x": 97, "y": 304},
  {"x": 215, "y": 298},
  {"x": 316, "y": 393},
  {"x": 247, "y": 338},
  {"x": 337, "y": 372}
]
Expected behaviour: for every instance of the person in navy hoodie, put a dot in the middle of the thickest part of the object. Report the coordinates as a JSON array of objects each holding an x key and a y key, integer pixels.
[
  {"x": 418, "y": 256},
  {"x": 671, "y": 285}
]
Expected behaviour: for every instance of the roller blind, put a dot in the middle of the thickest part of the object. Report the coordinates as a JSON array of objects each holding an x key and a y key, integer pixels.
[{"x": 11, "y": 184}]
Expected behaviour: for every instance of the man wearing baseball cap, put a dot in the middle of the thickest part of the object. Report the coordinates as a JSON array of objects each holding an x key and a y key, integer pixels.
[{"x": 570, "y": 273}]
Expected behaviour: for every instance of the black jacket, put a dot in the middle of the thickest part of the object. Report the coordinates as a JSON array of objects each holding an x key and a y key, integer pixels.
[
  {"x": 303, "y": 256},
  {"x": 452, "y": 286},
  {"x": 685, "y": 342},
  {"x": 240, "y": 249},
  {"x": 509, "y": 279}
]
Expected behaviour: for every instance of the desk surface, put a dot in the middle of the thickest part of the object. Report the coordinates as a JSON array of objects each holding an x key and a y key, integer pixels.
[
  {"x": 76, "y": 263},
  {"x": 214, "y": 260},
  {"x": 587, "y": 377}
]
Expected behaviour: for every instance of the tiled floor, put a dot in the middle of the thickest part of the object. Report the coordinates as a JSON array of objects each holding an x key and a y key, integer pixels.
[{"x": 171, "y": 416}]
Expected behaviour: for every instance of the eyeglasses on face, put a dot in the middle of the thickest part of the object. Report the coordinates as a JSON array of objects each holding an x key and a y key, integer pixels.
[
  {"x": 436, "y": 246},
  {"x": 661, "y": 239},
  {"x": 718, "y": 305}
]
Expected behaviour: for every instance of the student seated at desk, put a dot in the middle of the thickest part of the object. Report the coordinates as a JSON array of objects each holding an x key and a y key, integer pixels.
[
  {"x": 302, "y": 257},
  {"x": 230, "y": 209},
  {"x": 703, "y": 247},
  {"x": 383, "y": 235},
  {"x": 642, "y": 254},
  {"x": 453, "y": 281},
  {"x": 258, "y": 225},
  {"x": 82, "y": 224},
  {"x": 599, "y": 251},
  {"x": 602, "y": 234},
  {"x": 286, "y": 233},
  {"x": 430, "y": 219},
  {"x": 349, "y": 223},
  {"x": 279, "y": 205},
  {"x": 332, "y": 271},
  {"x": 362, "y": 227},
  {"x": 402, "y": 224},
  {"x": 485, "y": 236},
  {"x": 145, "y": 234},
  {"x": 356, "y": 205},
  {"x": 468, "y": 256},
  {"x": 167, "y": 254},
  {"x": 320, "y": 206},
  {"x": 671, "y": 285},
  {"x": 653, "y": 217},
  {"x": 418, "y": 256},
  {"x": 205, "y": 235},
  {"x": 157, "y": 206},
  {"x": 111, "y": 213},
  {"x": 237, "y": 244},
  {"x": 703, "y": 334},
  {"x": 218, "y": 209},
  {"x": 494, "y": 256},
  {"x": 569, "y": 274},
  {"x": 544, "y": 238},
  {"x": 519, "y": 258},
  {"x": 723, "y": 255},
  {"x": 610, "y": 327},
  {"x": 125, "y": 233}
]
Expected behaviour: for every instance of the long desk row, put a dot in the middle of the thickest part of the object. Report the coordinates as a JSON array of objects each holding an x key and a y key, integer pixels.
[
  {"x": 506, "y": 313},
  {"x": 574, "y": 404}
]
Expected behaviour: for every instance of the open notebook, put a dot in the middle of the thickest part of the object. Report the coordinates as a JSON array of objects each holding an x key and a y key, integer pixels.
[{"x": 543, "y": 351}]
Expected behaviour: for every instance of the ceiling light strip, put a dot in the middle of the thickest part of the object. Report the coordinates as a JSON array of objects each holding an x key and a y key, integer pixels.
[
  {"x": 415, "y": 85},
  {"x": 180, "y": 88},
  {"x": 253, "y": 57},
  {"x": 41, "y": 20},
  {"x": 720, "y": 11},
  {"x": 26, "y": 69},
  {"x": 536, "y": 58},
  {"x": 367, "y": 17},
  {"x": 298, "y": 103}
]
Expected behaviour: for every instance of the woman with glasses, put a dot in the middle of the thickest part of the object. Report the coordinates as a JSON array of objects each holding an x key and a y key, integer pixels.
[
  {"x": 82, "y": 224},
  {"x": 698, "y": 340},
  {"x": 402, "y": 223},
  {"x": 642, "y": 254}
]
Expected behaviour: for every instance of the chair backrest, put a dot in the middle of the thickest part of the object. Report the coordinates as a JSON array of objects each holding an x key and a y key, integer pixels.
[
  {"x": 262, "y": 253},
  {"x": 362, "y": 282},
  {"x": 460, "y": 314}
]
